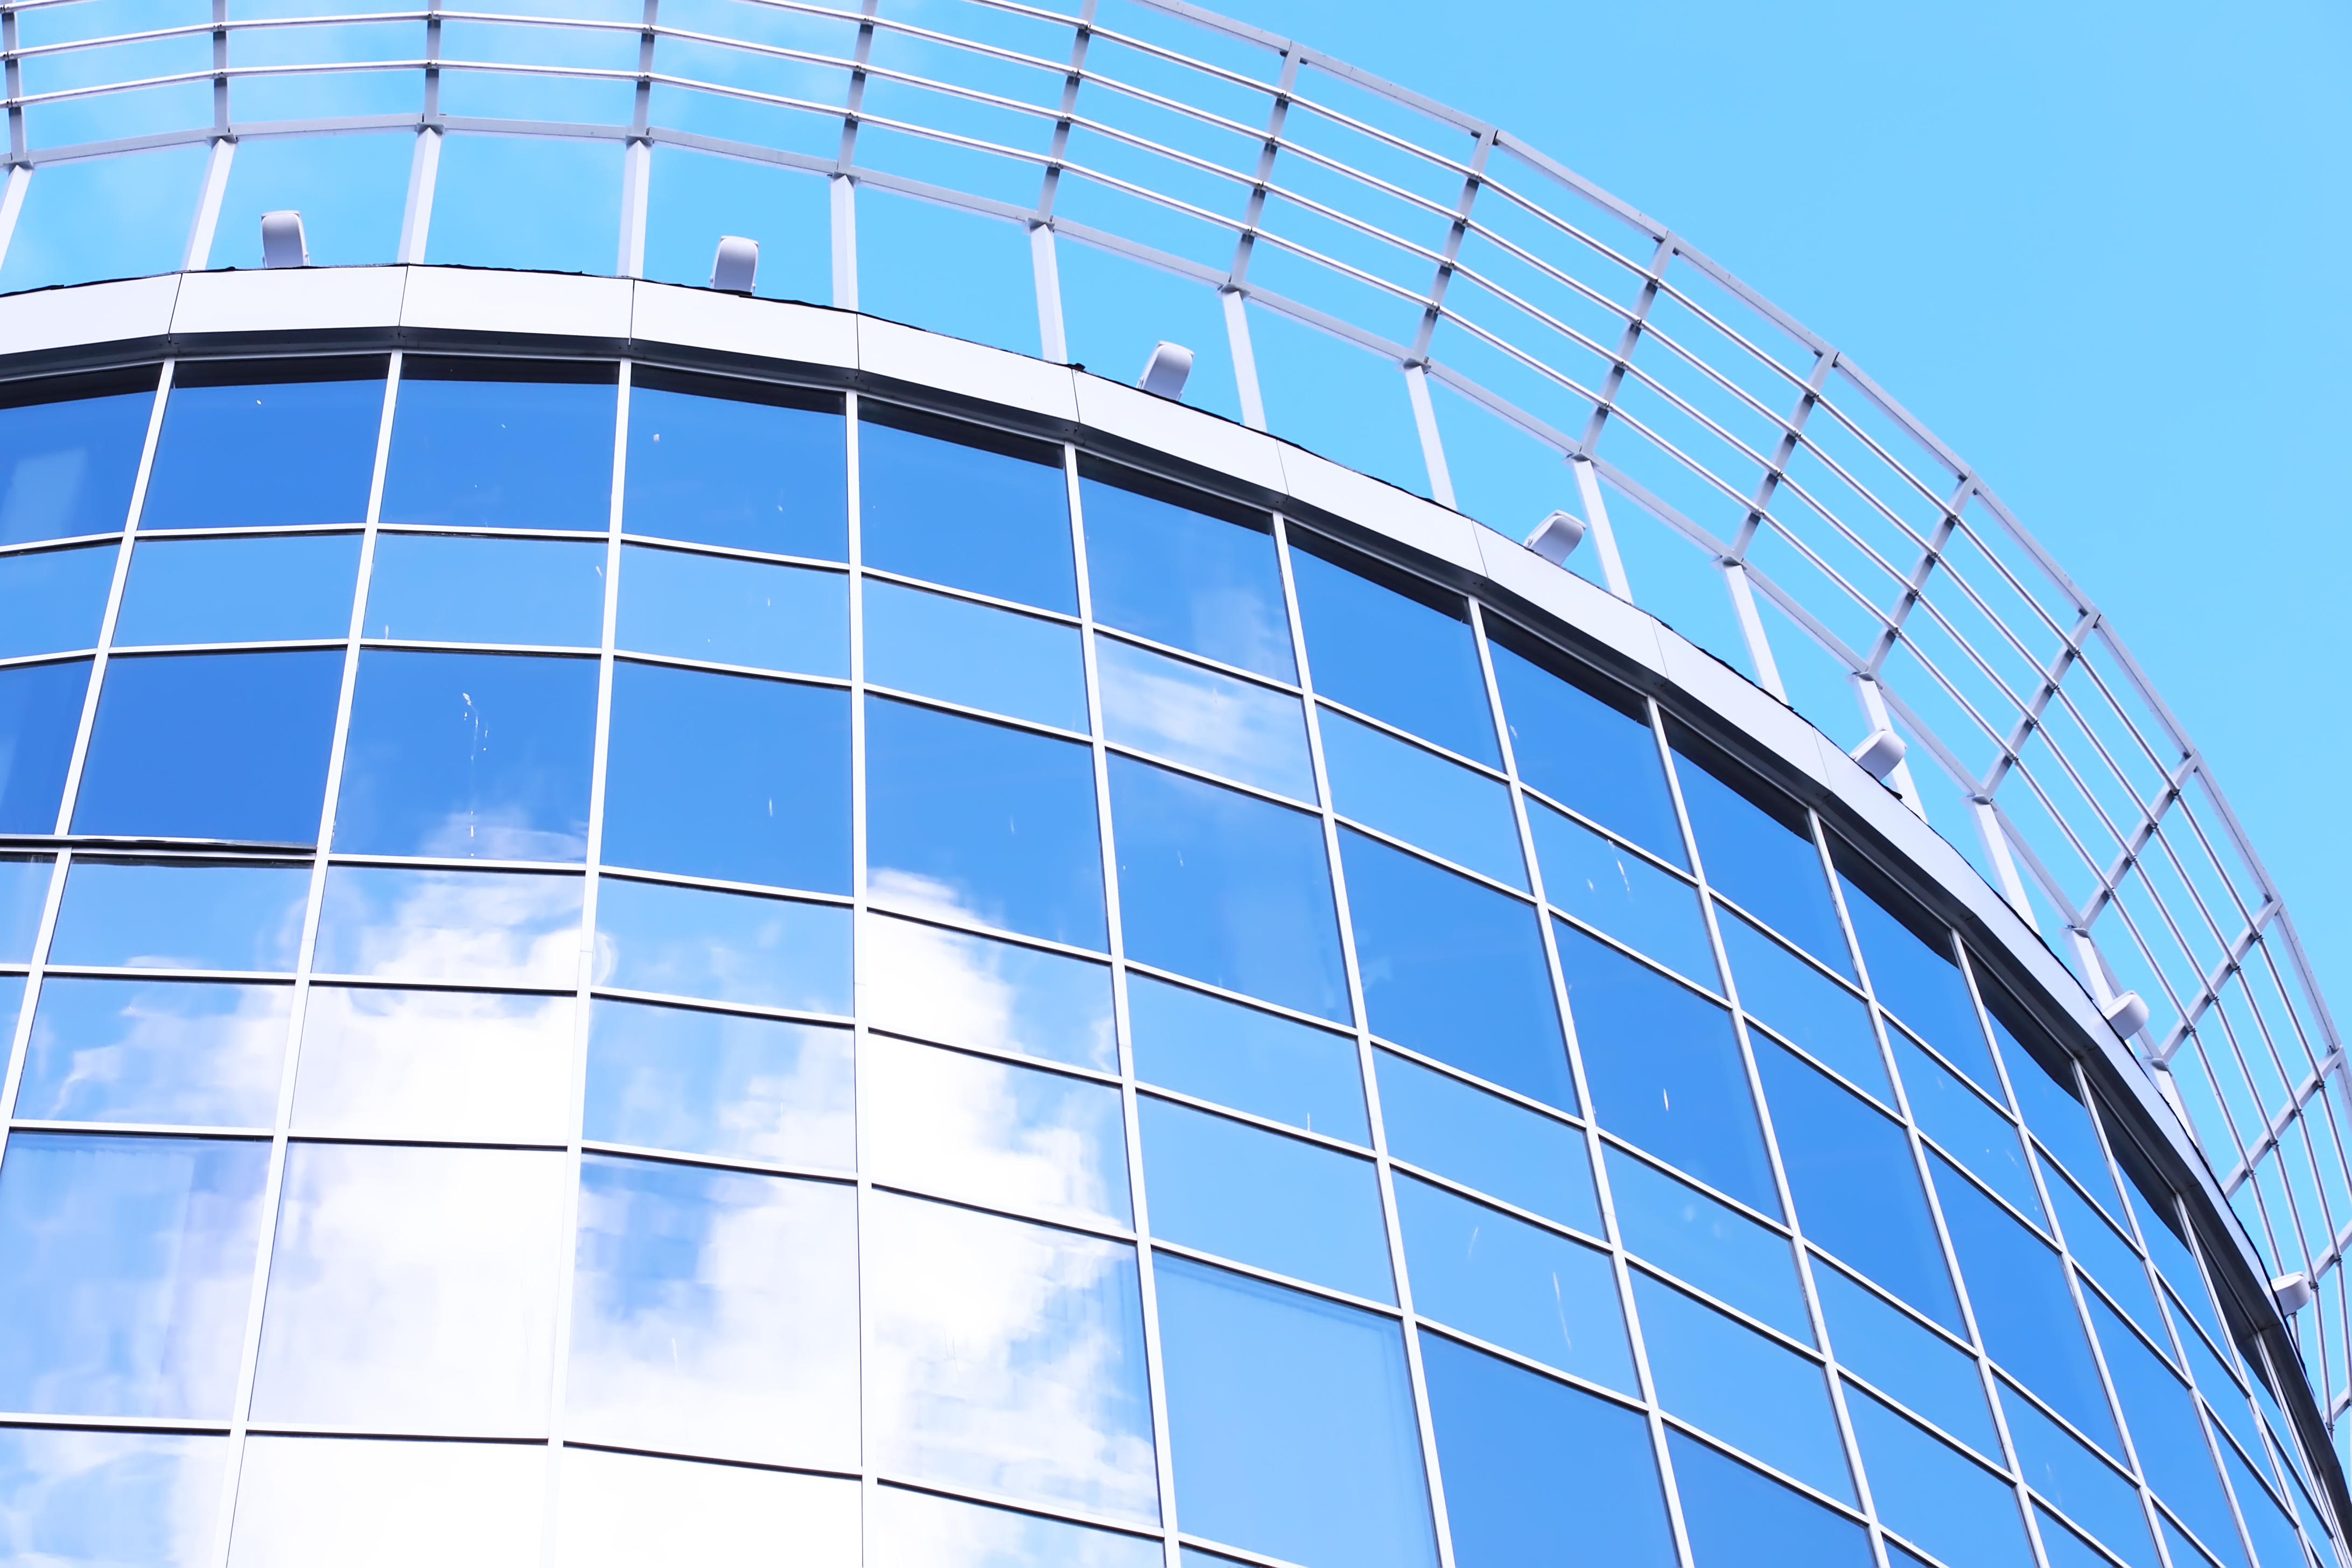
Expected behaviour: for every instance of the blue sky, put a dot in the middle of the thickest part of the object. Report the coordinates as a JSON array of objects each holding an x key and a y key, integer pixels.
[{"x": 2100, "y": 250}]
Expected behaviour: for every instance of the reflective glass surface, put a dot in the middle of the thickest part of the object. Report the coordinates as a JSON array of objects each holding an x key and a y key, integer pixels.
[
  {"x": 1707, "y": 1243},
  {"x": 1612, "y": 889},
  {"x": 619, "y": 1511},
  {"x": 494, "y": 927},
  {"x": 725, "y": 611},
  {"x": 183, "y": 1052},
  {"x": 180, "y": 915},
  {"x": 253, "y": 443},
  {"x": 1395, "y": 658},
  {"x": 386, "y": 1063},
  {"x": 1917, "y": 979},
  {"x": 454, "y": 588},
  {"x": 736, "y": 464},
  {"x": 1803, "y": 1005},
  {"x": 1935, "y": 1494},
  {"x": 1739, "y": 1517},
  {"x": 67, "y": 466},
  {"x": 993, "y": 1133},
  {"x": 470, "y": 449},
  {"x": 1159, "y": 568},
  {"x": 24, "y": 889},
  {"x": 1248, "y": 1059},
  {"x": 967, "y": 990},
  {"x": 2083, "y": 1485},
  {"x": 1466, "y": 1134},
  {"x": 974, "y": 655},
  {"x": 79, "y": 1496},
  {"x": 1958, "y": 1117},
  {"x": 1599, "y": 757},
  {"x": 723, "y": 947},
  {"x": 291, "y": 587},
  {"x": 721, "y": 1084},
  {"x": 40, "y": 706},
  {"x": 957, "y": 505},
  {"x": 51, "y": 600},
  {"x": 1927, "y": 1374},
  {"x": 1748, "y": 1388},
  {"x": 1764, "y": 859},
  {"x": 1193, "y": 715},
  {"x": 1420, "y": 797}
]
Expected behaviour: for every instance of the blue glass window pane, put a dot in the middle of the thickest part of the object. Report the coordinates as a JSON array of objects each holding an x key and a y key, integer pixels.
[
  {"x": 1664, "y": 1068},
  {"x": 714, "y": 1312},
  {"x": 2024, "y": 1307},
  {"x": 722, "y": 947},
  {"x": 728, "y": 776},
  {"x": 245, "y": 736},
  {"x": 294, "y": 588},
  {"x": 125, "y": 1267},
  {"x": 1258, "y": 1198},
  {"x": 1520, "y": 1156},
  {"x": 1006, "y": 1357},
  {"x": 1227, "y": 889},
  {"x": 2152, "y": 1208},
  {"x": 1856, "y": 1189},
  {"x": 500, "y": 927},
  {"x": 1195, "y": 716},
  {"x": 2181, "y": 1548},
  {"x": 51, "y": 600},
  {"x": 965, "y": 990},
  {"x": 380, "y": 1062},
  {"x": 1400, "y": 659},
  {"x": 1742, "y": 1386},
  {"x": 1587, "y": 753},
  {"x": 1955, "y": 1116},
  {"x": 1209, "y": 585},
  {"x": 1252, "y": 1061},
  {"x": 1803, "y": 1005},
  {"x": 2066, "y": 1549},
  {"x": 1740, "y": 1518},
  {"x": 2083, "y": 1485},
  {"x": 2103, "y": 1253},
  {"x": 1531, "y": 1465},
  {"x": 2221, "y": 1390},
  {"x": 501, "y": 453},
  {"x": 721, "y": 1084},
  {"x": 924, "y": 1530},
  {"x": 309, "y": 426},
  {"x": 1515, "y": 1284},
  {"x": 715, "y": 462},
  {"x": 1915, "y": 978},
  {"x": 1709, "y": 1243},
  {"x": 967, "y": 508},
  {"x": 1420, "y": 797},
  {"x": 24, "y": 889},
  {"x": 67, "y": 466},
  {"x": 974, "y": 655},
  {"x": 167, "y": 1052},
  {"x": 476, "y": 755},
  {"x": 2166, "y": 1435},
  {"x": 986, "y": 1131},
  {"x": 40, "y": 712},
  {"x": 1932, "y": 1376},
  {"x": 1609, "y": 887},
  {"x": 82, "y": 1497},
  {"x": 2042, "y": 1079},
  {"x": 1455, "y": 971},
  {"x": 981, "y": 822},
  {"x": 2273, "y": 1534},
  {"x": 450, "y": 587},
  {"x": 1763, "y": 860},
  {"x": 725, "y": 611},
  {"x": 160, "y": 914},
  {"x": 1291, "y": 1419},
  {"x": 1954, "y": 1507}
]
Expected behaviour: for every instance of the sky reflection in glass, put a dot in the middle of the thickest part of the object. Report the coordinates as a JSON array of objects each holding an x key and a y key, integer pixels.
[
  {"x": 1933, "y": 1377},
  {"x": 294, "y": 587},
  {"x": 722, "y": 947},
  {"x": 1252, "y": 1060},
  {"x": 1394, "y": 657},
  {"x": 974, "y": 655},
  {"x": 1420, "y": 797},
  {"x": 1207, "y": 584},
  {"x": 1190, "y": 714},
  {"x": 174, "y": 1052},
  {"x": 310, "y": 425},
  {"x": 386, "y": 1063},
  {"x": 1802, "y": 1005},
  {"x": 1481, "y": 1139},
  {"x": 724, "y": 611},
  {"x": 987, "y": 1131},
  {"x": 1707, "y": 1243},
  {"x": 67, "y": 468},
  {"x": 1741, "y": 1385},
  {"x": 181, "y": 915},
  {"x": 438, "y": 587},
  {"x": 51, "y": 600},
  {"x": 511, "y": 928},
  {"x": 968, "y": 509},
  {"x": 735, "y": 463},
  {"x": 40, "y": 707},
  {"x": 961, "y": 989},
  {"x": 1612, "y": 889},
  {"x": 1588, "y": 753},
  {"x": 535, "y": 451},
  {"x": 1932, "y": 1493},
  {"x": 1765, "y": 861},
  {"x": 1740, "y": 1518},
  {"x": 68, "y": 1496},
  {"x": 721, "y": 1084}
]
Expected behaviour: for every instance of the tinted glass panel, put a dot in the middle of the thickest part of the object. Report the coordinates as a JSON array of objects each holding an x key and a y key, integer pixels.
[
  {"x": 435, "y": 587},
  {"x": 2166, "y": 1435},
  {"x": 1204, "y": 719},
  {"x": 974, "y": 655},
  {"x": 724, "y": 947},
  {"x": 1955, "y": 1116},
  {"x": 620, "y": 1510},
  {"x": 1738, "y": 1518},
  {"x": 1744, "y": 1387},
  {"x": 1276, "y": 1203},
  {"x": 1932, "y": 1376},
  {"x": 1394, "y": 657},
  {"x": 983, "y": 822},
  {"x": 1664, "y": 1068},
  {"x": 388, "y": 1063},
  {"x": 987, "y": 1131},
  {"x": 67, "y": 469},
  {"x": 1856, "y": 1189},
  {"x": 2042, "y": 1079},
  {"x": 501, "y": 928},
  {"x": 51, "y": 600},
  {"x": 1587, "y": 753},
  {"x": 484, "y": 756},
  {"x": 747, "y": 475},
  {"x": 155, "y": 1051},
  {"x": 501, "y": 454},
  {"x": 1709, "y": 1243},
  {"x": 1178, "y": 576},
  {"x": 717, "y": 1083},
  {"x": 162, "y": 915},
  {"x": 247, "y": 735},
  {"x": 1931, "y": 1492},
  {"x": 1465, "y": 1134},
  {"x": 1803, "y": 1005},
  {"x": 1291, "y": 1419},
  {"x": 1764, "y": 860},
  {"x": 1514, "y": 1284},
  {"x": 966, "y": 990},
  {"x": 40, "y": 709},
  {"x": 1455, "y": 971},
  {"x": 1252, "y": 1061},
  {"x": 725, "y": 611},
  {"x": 996, "y": 522},
  {"x": 1915, "y": 979},
  {"x": 924, "y": 1530},
  {"x": 1420, "y": 797},
  {"x": 1531, "y": 1465},
  {"x": 24, "y": 889},
  {"x": 728, "y": 777},
  {"x": 467, "y": 1505},
  {"x": 314, "y": 439},
  {"x": 2093, "y": 1494},
  {"x": 110, "y": 1497},
  {"x": 1607, "y": 886},
  {"x": 126, "y": 1265},
  {"x": 292, "y": 588},
  {"x": 1227, "y": 889}
]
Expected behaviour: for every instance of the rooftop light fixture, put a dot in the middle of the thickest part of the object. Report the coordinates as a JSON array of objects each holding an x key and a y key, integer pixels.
[
  {"x": 283, "y": 243},
  {"x": 1880, "y": 754},
  {"x": 1556, "y": 536},
  {"x": 1164, "y": 372},
  {"x": 2292, "y": 1292},
  {"x": 2127, "y": 1014},
  {"x": 735, "y": 264}
]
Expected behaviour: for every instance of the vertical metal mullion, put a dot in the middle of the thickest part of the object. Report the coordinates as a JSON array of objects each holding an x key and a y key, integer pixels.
[
  {"x": 842, "y": 187},
  {"x": 1052, "y": 335},
  {"x": 13, "y": 79},
  {"x": 1409, "y": 1322},
  {"x": 636, "y": 158},
  {"x": 1155, "y": 1366},
  {"x": 868, "y": 1478},
  {"x": 20, "y": 1028},
  {"x": 273, "y": 1187},
  {"x": 1232, "y": 293},
  {"x": 567, "y": 1237}
]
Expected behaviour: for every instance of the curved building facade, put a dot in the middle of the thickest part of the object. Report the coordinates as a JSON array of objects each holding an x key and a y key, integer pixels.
[{"x": 646, "y": 924}]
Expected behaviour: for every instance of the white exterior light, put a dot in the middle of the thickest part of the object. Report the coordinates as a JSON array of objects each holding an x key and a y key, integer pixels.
[
  {"x": 1880, "y": 754},
  {"x": 283, "y": 243},
  {"x": 1164, "y": 372},
  {"x": 1556, "y": 536},
  {"x": 736, "y": 265},
  {"x": 2127, "y": 1014},
  {"x": 2292, "y": 1292}
]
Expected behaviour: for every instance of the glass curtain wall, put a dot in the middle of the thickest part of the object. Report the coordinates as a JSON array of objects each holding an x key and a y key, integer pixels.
[{"x": 669, "y": 962}]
